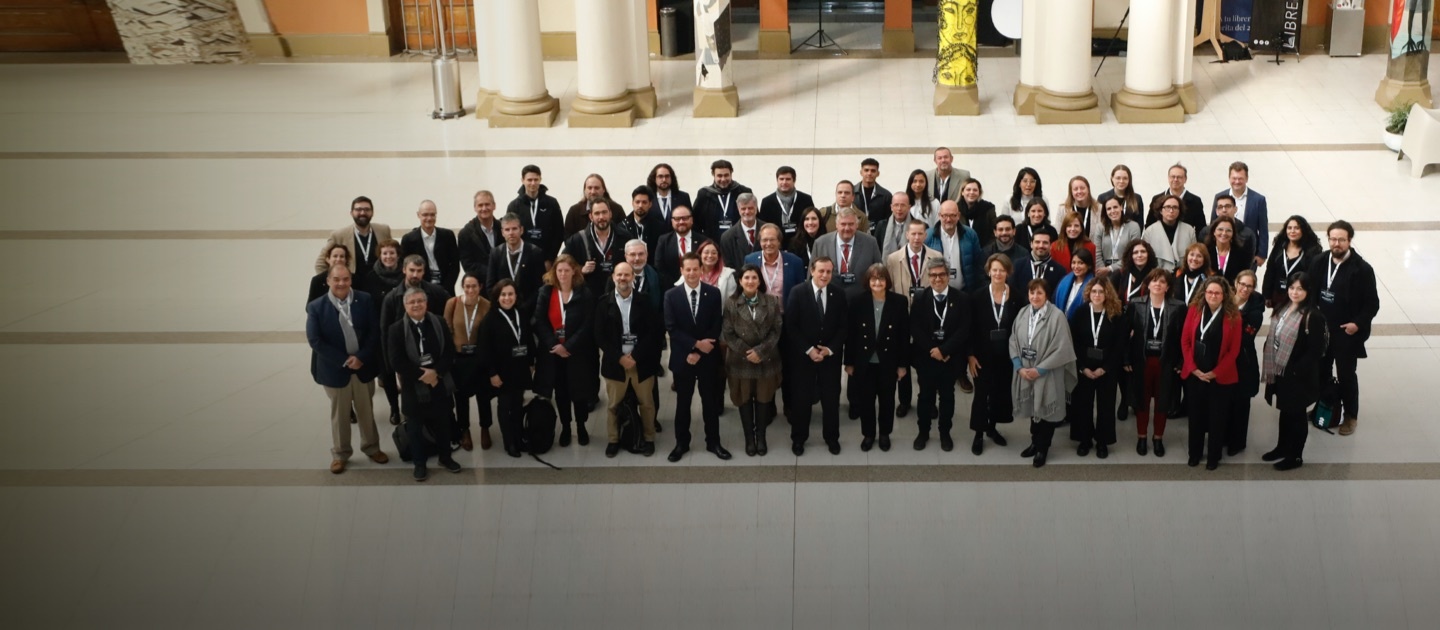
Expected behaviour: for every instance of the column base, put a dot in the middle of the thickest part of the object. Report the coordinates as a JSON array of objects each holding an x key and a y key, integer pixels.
[
  {"x": 1393, "y": 93},
  {"x": 645, "y": 102},
  {"x": 1132, "y": 107},
  {"x": 484, "y": 103},
  {"x": 1189, "y": 97},
  {"x": 1052, "y": 108},
  {"x": 775, "y": 42},
  {"x": 605, "y": 112},
  {"x": 954, "y": 100},
  {"x": 721, "y": 103},
  {"x": 1024, "y": 99},
  {"x": 539, "y": 111},
  {"x": 897, "y": 40}
]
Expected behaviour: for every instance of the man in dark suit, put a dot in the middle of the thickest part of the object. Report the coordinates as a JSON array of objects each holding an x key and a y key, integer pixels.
[
  {"x": 814, "y": 338},
  {"x": 1038, "y": 265},
  {"x": 1349, "y": 299},
  {"x": 939, "y": 326},
  {"x": 392, "y": 309},
  {"x": 1250, "y": 209},
  {"x": 683, "y": 239},
  {"x": 776, "y": 264},
  {"x": 344, "y": 341},
  {"x": 743, "y": 237},
  {"x": 648, "y": 286},
  {"x": 852, "y": 251},
  {"x": 628, "y": 331},
  {"x": 598, "y": 247},
  {"x": 643, "y": 223},
  {"x": 1193, "y": 208},
  {"x": 870, "y": 196},
  {"x": 783, "y": 207},
  {"x": 715, "y": 205},
  {"x": 437, "y": 246},
  {"x": 539, "y": 214},
  {"x": 665, "y": 193},
  {"x": 418, "y": 348},
  {"x": 693, "y": 318},
  {"x": 478, "y": 238},
  {"x": 517, "y": 261}
]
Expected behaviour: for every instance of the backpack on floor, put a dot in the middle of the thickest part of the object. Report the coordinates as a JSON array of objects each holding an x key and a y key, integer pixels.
[
  {"x": 628, "y": 423},
  {"x": 539, "y": 433},
  {"x": 1324, "y": 416},
  {"x": 402, "y": 440}
]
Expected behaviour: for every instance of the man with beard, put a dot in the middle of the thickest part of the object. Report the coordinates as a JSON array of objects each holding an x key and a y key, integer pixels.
[
  {"x": 478, "y": 238},
  {"x": 783, "y": 207},
  {"x": 598, "y": 247},
  {"x": 844, "y": 200},
  {"x": 665, "y": 193},
  {"x": 630, "y": 334},
  {"x": 643, "y": 222},
  {"x": 672, "y": 247},
  {"x": 578, "y": 216},
  {"x": 362, "y": 238},
  {"x": 518, "y": 261},
  {"x": 437, "y": 246},
  {"x": 539, "y": 214},
  {"x": 716, "y": 208},
  {"x": 393, "y": 308},
  {"x": 1349, "y": 300},
  {"x": 1004, "y": 242},
  {"x": 1038, "y": 265},
  {"x": 945, "y": 180}
]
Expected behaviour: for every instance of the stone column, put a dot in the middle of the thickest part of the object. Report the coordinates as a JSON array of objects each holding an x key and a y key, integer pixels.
[
  {"x": 1065, "y": 95},
  {"x": 715, "y": 94},
  {"x": 603, "y": 52},
  {"x": 642, "y": 91},
  {"x": 775, "y": 28},
  {"x": 1149, "y": 93},
  {"x": 523, "y": 100},
  {"x": 957, "y": 91},
  {"x": 1183, "y": 39},
  {"x": 1031, "y": 47},
  {"x": 898, "y": 35},
  {"x": 165, "y": 33},
  {"x": 1406, "y": 79},
  {"x": 485, "y": 57}
]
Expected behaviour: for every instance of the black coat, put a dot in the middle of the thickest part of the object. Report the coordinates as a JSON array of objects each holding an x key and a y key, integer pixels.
[
  {"x": 1193, "y": 211},
  {"x": 1241, "y": 258},
  {"x": 584, "y": 363},
  {"x": 712, "y": 217},
  {"x": 645, "y": 324},
  {"x": 1170, "y": 359},
  {"x": 531, "y": 271},
  {"x": 1304, "y": 376},
  {"x": 875, "y": 203},
  {"x": 319, "y": 285},
  {"x": 1356, "y": 301},
  {"x": 583, "y": 247},
  {"x": 981, "y": 218},
  {"x": 667, "y": 255},
  {"x": 1122, "y": 283},
  {"x": 447, "y": 255},
  {"x": 735, "y": 245},
  {"x": 1273, "y": 287},
  {"x": 392, "y": 309},
  {"x": 1114, "y": 333},
  {"x": 772, "y": 212},
  {"x": 892, "y": 343},
  {"x": 1051, "y": 272},
  {"x": 475, "y": 249},
  {"x": 924, "y": 322},
  {"x": 497, "y": 342},
  {"x": 677, "y": 198},
  {"x": 805, "y": 328},
  {"x": 442, "y": 354},
  {"x": 991, "y": 351},
  {"x": 547, "y": 230},
  {"x": 647, "y": 229},
  {"x": 1252, "y": 314},
  {"x": 686, "y": 330}
]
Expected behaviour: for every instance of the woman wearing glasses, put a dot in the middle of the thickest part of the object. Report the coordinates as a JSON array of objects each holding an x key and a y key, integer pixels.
[
  {"x": 1252, "y": 314},
  {"x": 1210, "y": 345}
]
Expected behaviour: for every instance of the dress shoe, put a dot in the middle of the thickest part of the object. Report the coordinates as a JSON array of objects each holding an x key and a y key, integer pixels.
[
  {"x": 648, "y": 449},
  {"x": 1083, "y": 449},
  {"x": 1039, "y": 461},
  {"x": 867, "y": 444},
  {"x": 465, "y": 441},
  {"x": 485, "y": 441},
  {"x": 1272, "y": 456},
  {"x": 995, "y": 437},
  {"x": 421, "y": 474},
  {"x": 1193, "y": 461},
  {"x": 1178, "y": 413},
  {"x": 902, "y": 410},
  {"x": 612, "y": 449},
  {"x": 1212, "y": 465},
  {"x": 451, "y": 465},
  {"x": 337, "y": 466},
  {"x": 1141, "y": 447},
  {"x": 1231, "y": 451},
  {"x": 797, "y": 448},
  {"x": 679, "y": 452},
  {"x": 884, "y": 442},
  {"x": 1029, "y": 451},
  {"x": 1289, "y": 464},
  {"x": 947, "y": 444},
  {"x": 379, "y": 457},
  {"x": 1123, "y": 413},
  {"x": 1347, "y": 426},
  {"x": 965, "y": 384},
  {"x": 834, "y": 447},
  {"x": 658, "y": 428},
  {"x": 977, "y": 445},
  {"x": 718, "y": 451},
  {"x": 512, "y": 450},
  {"x": 581, "y": 435},
  {"x": 1102, "y": 451},
  {"x": 564, "y": 435},
  {"x": 921, "y": 440},
  {"x": 1158, "y": 446},
  {"x": 394, "y": 418}
]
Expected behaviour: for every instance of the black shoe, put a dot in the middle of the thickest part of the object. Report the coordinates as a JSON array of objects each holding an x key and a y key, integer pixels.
[
  {"x": 995, "y": 437},
  {"x": 1102, "y": 451},
  {"x": 921, "y": 440},
  {"x": 965, "y": 384},
  {"x": 658, "y": 428},
  {"x": 1231, "y": 451},
  {"x": 648, "y": 450},
  {"x": 1122, "y": 414},
  {"x": 394, "y": 418},
  {"x": 451, "y": 465},
  {"x": 866, "y": 444},
  {"x": 1178, "y": 413},
  {"x": 1029, "y": 451},
  {"x": 512, "y": 450},
  {"x": 564, "y": 435},
  {"x": 1193, "y": 461},
  {"x": 718, "y": 450},
  {"x": 1289, "y": 464},
  {"x": 834, "y": 447},
  {"x": 1272, "y": 456},
  {"x": 679, "y": 452},
  {"x": 1083, "y": 449},
  {"x": 884, "y": 442},
  {"x": 1141, "y": 447},
  {"x": 421, "y": 474},
  {"x": 977, "y": 445},
  {"x": 582, "y": 436},
  {"x": 612, "y": 449},
  {"x": 1039, "y": 461},
  {"x": 1159, "y": 447},
  {"x": 797, "y": 448},
  {"x": 946, "y": 444},
  {"x": 902, "y": 410},
  {"x": 1212, "y": 465}
]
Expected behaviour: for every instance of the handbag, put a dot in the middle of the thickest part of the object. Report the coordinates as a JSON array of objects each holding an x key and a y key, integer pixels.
[{"x": 1324, "y": 416}]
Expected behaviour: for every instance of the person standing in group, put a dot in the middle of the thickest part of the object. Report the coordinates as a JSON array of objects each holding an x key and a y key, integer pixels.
[
  {"x": 521, "y": 262},
  {"x": 1192, "y": 207},
  {"x": 750, "y": 327},
  {"x": 812, "y": 227},
  {"x": 1113, "y": 236},
  {"x": 463, "y": 315},
  {"x": 814, "y": 337},
  {"x": 568, "y": 366},
  {"x": 1210, "y": 350},
  {"x": 478, "y": 237},
  {"x": 743, "y": 238},
  {"x": 1070, "y": 293},
  {"x": 598, "y": 246},
  {"x": 1099, "y": 331},
  {"x": 361, "y": 238},
  {"x": 437, "y": 246},
  {"x": 870, "y": 196},
  {"x": 578, "y": 216},
  {"x": 320, "y": 283},
  {"x": 975, "y": 212},
  {"x": 629, "y": 333},
  {"x": 1227, "y": 254},
  {"x": 384, "y": 277},
  {"x": 694, "y": 317},
  {"x": 643, "y": 222},
  {"x": 509, "y": 351},
  {"x": 344, "y": 336},
  {"x": 1153, "y": 359},
  {"x": 682, "y": 239},
  {"x": 1252, "y": 315},
  {"x": 945, "y": 180},
  {"x": 1038, "y": 266},
  {"x": 1250, "y": 210},
  {"x": 1072, "y": 238},
  {"x": 1169, "y": 237},
  {"x": 1349, "y": 300},
  {"x": 1294, "y": 363},
  {"x": 906, "y": 269},
  {"x": 844, "y": 199},
  {"x": 959, "y": 246},
  {"x": 918, "y": 201},
  {"x": 418, "y": 352},
  {"x": 1037, "y": 221},
  {"x": 1079, "y": 200},
  {"x": 1043, "y": 358},
  {"x": 665, "y": 192},
  {"x": 1004, "y": 242},
  {"x": 939, "y": 332},
  {"x": 993, "y": 315},
  {"x": 1122, "y": 188},
  {"x": 783, "y": 207},
  {"x": 1294, "y": 247},
  {"x": 1194, "y": 269},
  {"x": 1027, "y": 188},
  {"x": 539, "y": 215},
  {"x": 716, "y": 207},
  {"x": 853, "y": 252},
  {"x": 889, "y": 231},
  {"x": 1138, "y": 260},
  {"x": 877, "y": 355},
  {"x": 780, "y": 270}
]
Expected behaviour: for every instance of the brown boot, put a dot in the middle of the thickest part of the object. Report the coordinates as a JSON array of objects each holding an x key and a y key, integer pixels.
[
  {"x": 465, "y": 441},
  {"x": 485, "y": 442},
  {"x": 1347, "y": 426}
]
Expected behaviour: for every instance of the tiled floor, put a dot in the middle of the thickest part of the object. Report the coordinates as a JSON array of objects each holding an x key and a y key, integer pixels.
[{"x": 171, "y": 215}]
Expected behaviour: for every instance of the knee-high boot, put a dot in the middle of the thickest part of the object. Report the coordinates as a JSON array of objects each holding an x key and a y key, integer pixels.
[
  {"x": 763, "y": 414},
  {"x": 747, "y": 424}
]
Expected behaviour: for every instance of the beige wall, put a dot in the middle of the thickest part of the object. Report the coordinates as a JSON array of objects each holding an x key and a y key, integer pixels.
[{"x": 557, "y": 16}]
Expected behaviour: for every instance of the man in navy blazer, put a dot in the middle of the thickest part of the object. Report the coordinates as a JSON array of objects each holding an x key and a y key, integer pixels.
[
  {"x": 814, "y": 339},
  {"x": 770, "y": 259},
  {"x": 1250, "y": 209},
  {"x": 343, "y": 329},
  {"x": 693, "y": 317}
]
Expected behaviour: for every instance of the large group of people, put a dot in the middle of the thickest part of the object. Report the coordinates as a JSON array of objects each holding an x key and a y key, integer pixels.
[{"x": 1076, "y": 314}]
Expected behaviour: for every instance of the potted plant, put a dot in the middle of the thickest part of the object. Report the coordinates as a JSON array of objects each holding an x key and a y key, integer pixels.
[{"x": 1395, "y": 119}]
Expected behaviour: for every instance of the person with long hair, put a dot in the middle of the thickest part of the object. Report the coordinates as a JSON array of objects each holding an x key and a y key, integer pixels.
[
  {"x": 1210, "y": 349},
  {"x": 385, "y": 276},
  {"x": 568, "y": 365},
  {"x": 463, "y": 314},
  {"x": 593, "y": 190},
  {"x": 975, "y": 212},
  {"x": 665, "y": 193},
  {"x": 337, "y": 255},
  {"x": 508, "y": 347},
  {"x": 1079, "y": 200},
  {"x": 1099, "y": 332},
  {"x": 1116, "y": 232},
  {"x": 876, "y": 358},
  {"x": 1072, "y": 238},
  {"x": 1296, "y": 244},
  {"x": 922, "y": 205},
  {"x": 1153, "y": 359},
  {"x": 1027, "y": 188},
  {"x": 1293, "y": 369},
  {"x": 993, "y": 314},
  {"x": 1070, "y": 293},
  {"x": 751, "y": 329},
  {"x": 1122, "y": 187},
  {"x": 1043, "y": 357},
  {"x": 1037, "y": 220},
  {"x": 1138, "y": 261},
  {"x": 1227, "y": 253},
  {"x": 1252, "y": 315},
  {"x": 812, "y": 227},
  {"x": 1194, "y": 270}
]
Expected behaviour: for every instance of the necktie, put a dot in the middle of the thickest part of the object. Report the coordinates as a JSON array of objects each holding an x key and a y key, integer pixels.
[
  {"x": 845, "y": 258},
  {"x": 915, "y": 264},
  {"x": 750, "y": 235},
  {"x": 820, "y": 301},
  {"x": 682, "y": 245},
  {"x": 694, "y": 303},
  {"x": 665, "y": 206},
  {"x": 939, "y": 299}
]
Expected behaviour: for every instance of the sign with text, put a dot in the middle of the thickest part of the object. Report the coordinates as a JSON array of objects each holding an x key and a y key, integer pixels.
[
  {"x": 1276, "y": 25},
  {"x": 1235, "y": 19}
]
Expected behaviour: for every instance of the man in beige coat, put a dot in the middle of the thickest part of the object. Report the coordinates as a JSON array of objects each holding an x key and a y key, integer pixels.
[{"x": 362, "y": 239}]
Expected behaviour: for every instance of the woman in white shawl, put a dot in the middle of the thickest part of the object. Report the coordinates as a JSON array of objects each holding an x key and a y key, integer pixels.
[{"x": 1043, "y": 357}]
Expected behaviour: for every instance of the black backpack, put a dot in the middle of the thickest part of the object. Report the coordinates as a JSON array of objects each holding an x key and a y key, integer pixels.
[
  {"x": 539, "y": 434},
  {"x": 628, "y": 423}
]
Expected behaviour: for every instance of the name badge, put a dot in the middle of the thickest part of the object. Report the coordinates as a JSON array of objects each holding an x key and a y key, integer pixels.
[
  {"x": 939, "y": 335},
  {"x": 916, "y": 290},
  {"x": 725, "y": 224},
  {"x": 435, "y": 276},
  {"x": 789, "y": 228},
  {"x": 426, "y": 360},
  {"x": 952, "y": 274},
  {"x": 1328, "y": 296},
  {"x": 606, "y": 267},
  {"x": 1152, "y": 346},
  {"x": 847, "y": 278},
  {"x": 1028, "y": 354},
  {"x": 533, "y": 234},
  {"x": 560, "y": 335},
  {"x": 629, "y": 340},
  {"x": 1284, "y": 284},
  {"x": 467, "y": 349},
  {"x": 1095, "y": 354},
  {"x": 520, "y": 351}
]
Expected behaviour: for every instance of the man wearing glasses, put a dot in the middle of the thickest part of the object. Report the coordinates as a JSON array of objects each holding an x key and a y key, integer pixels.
[{"x": 939, "y": 321}]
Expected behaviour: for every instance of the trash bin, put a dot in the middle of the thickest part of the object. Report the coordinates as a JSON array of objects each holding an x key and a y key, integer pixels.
[{"x": 677, "y": 30}]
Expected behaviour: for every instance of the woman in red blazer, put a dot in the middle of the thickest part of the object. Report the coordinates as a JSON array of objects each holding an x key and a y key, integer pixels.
[{"x": 1210, "y": 349}]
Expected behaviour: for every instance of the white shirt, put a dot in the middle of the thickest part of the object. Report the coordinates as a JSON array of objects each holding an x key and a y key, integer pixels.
[
  {"x": 1240, "y": 200},
  {"x": 951, "y": 245},
  {"x": 429, "y": 241},
  {"x": 664, "y": 203},
  {"x": 624, "y": 304}
]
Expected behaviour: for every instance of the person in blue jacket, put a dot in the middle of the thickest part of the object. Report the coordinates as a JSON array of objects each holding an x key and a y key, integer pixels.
[
  {"x": 959, "y": 245},
  {"x": 1070, "y": 294}
]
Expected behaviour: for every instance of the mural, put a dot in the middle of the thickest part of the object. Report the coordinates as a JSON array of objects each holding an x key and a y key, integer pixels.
[
  {"x": 955, "y": 63},
  {"x": 712, "y": 44},
  {"x": 1410, "y": 27}
]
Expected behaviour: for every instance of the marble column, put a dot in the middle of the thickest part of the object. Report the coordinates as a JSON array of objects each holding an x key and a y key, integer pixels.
[
  {"x": 957, "y": 91},
  {"x": 523, "y": 100},
  {"x": 1149, "y": 94},
  {"x": 775, "y": 28},
  {"x": 603, "y": 51},
  {"x": 1065, "y": 95},
  {"x": 164, "y": 32},
  {"x": 898, "y": 35},
  {"x": 1032, "y": 45},
  {"x": 715, "y": 93},
  {"x": 1406, "y": 79},
  {"x": 1183, "y": 39},
  {"x": 642, "y": 91},
  {"x": 485, "y": 57}
]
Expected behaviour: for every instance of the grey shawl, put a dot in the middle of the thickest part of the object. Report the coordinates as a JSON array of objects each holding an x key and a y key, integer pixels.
[{"x": 1043, "y": 398}]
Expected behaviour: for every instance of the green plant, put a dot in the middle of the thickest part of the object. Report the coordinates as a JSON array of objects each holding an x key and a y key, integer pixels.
[{"x": 1396, "y": 117}]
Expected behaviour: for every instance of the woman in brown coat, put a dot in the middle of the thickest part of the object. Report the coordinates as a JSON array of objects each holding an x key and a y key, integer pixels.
[
  {"x": 463, "y": 314},
  {"x": 751, "y": 329}
]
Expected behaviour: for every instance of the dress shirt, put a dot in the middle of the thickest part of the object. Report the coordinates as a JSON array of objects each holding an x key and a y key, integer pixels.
[
  {"x": 1240, "y": 200},
  {"x": 429, "y": 241},
  {"x": 624, "y": 303}
]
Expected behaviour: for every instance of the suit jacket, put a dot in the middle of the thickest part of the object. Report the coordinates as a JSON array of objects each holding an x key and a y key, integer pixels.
[
  {"x": 864, "y": 251},
  {"x": 645, "y": 324},
  {"x": 667, "y": 255},
  {"x": 1357, "y": 301},
  {"x": 1169, "y": 254},
  {"x": 647, "y": 229},
  {"x": 327, "y": 340},
  {"x": 952, "y": 185},
  {"x": 547, "y": 229},
  {"x": 677, "y": 198},
  {"x": 980, "y": 218},
  {"x": 1240, "y": 259},
  {"x": 1257, "y": 218},
  {"x": 806, "y": 328},
  {"x": 875, "y": 203},
  {"x": 497, "y": 343},
  {"x": 925, "y": 322},
  {"x": 891, "y": 342},
  {"x": 1050, "y": 271},
  {"x": 475, "y": 248},
  {"x": 792, "y": 269},
  {"x": 829, "y": 213},
  {"x": 882, "y": 232},
  {"x": 686, "y": 329},
  {"x": 712, "y": 217},
  {"x": 1226, "y": 371},
  {"x": 399, "y": 339},
  {"x": 346, "y": 236},
  {"x": 447, "y": 255},
  {"x": 1192, "y": 211},
  {"x": 898, "y": 264},
  {"x": 392, "y": 309},
  {"x": 735, "y": 245},
  {"x": 584, "y": 248},
  {"x": 531, "y": 271},
  {"x": 583, "y": 366},
  {"x": 772, "y": 212}
]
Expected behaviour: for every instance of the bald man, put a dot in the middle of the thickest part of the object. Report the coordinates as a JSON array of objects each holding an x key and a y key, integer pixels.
[{"x": 437, "y": 246}]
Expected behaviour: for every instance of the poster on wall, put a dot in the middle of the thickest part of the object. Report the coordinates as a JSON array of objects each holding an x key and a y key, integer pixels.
[
  {"x": 1275, "y": 26},
  {"x": 1235, "y": 19},
  {"x": 1410, "y": 27}
]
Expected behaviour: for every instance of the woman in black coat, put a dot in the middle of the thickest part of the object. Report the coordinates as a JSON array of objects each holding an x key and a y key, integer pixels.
[
  {"x": 1152, "y": 358},
  {"x": 811, "y": 228},
  {"x": 337, "y": 255},
  {"x": 876, "y": 349},
  {"x": 508, "y": 349},
  {"x": 1252, "y": 314},
  {"x": 1227, "y": 256},
  {"x": 1296, "y": 244},
  {"x": 1294, "y": 359},
  {"x": 976, "y": 212},
  {"x": 1099, "y": 330},
  {"x": 992, "y": 317},
  {"x": 1139, "y": 260},
  {"x": 383, "y": 278},
  {"x": 568, "y": 365}
]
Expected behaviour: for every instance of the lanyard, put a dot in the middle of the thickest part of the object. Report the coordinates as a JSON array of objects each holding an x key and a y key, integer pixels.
[
  {"x": 941, "y": 187},
  {"x": 609, "y": 240},
  {"x": 1334, "y": 268},
  {"x": 470, "y": 318},
  {"x": 1130, "y": 289},
  {"x": 514, "y": 326},
  {"x": 535, "y": 212},
  {"x": 1097, "y": 320},
  {"x": 1190, "y": 286},
  {"x": 1114, "y": 244},
  {"x": 1290, "y": 267},
  {"x": 344, "y": 307},
  {"x": 940, "y": 314},
  {"x": 868, "y": 197},
  {"x": 1205, "y": 325},
  {"x": 364, "y": 244},
  {"x": 1034, "y": 321},
  {"x": 724, "y": 205},
  {"x": 773, "y": 278},
  {"x": 1223, "y": 259},
  {"x": 1036, "y": 267},
  {"x": 514, "y": 263},
  {"x": 1158, "y": 316},
  {"x": 419, "y": 334},
  {"x": 999, "y": 308},
  {"x": 784, "y": 209},
  {"x": 564, "y": 302}
]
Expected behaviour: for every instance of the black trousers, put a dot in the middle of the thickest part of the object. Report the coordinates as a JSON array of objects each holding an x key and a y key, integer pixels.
[
  {"x": 436, "y": 420},
  {"x": 1343, "y": 369},
  {"x": 688, "y": 379},
  {"x": 569, "y": 410},
  {"x": 1210, "y": 407},
  {"x": 1294, "y": 429},
  {"x": 1237, "y": 435},
  {"x": 905, "y": 391},
  {"x": 1092, "y": 410},
  {"x": 874, "y": 387},
  {"x": 992, "y": 403},
  {"x": 823, "y": 379},
  {"x": 1042, "y": 433},
  {"x": 392, "y": 391},
  {"x": 510, "y": 407},
  {"x": 937, "y": 382},
  {"x": 482, "y": 397}
]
